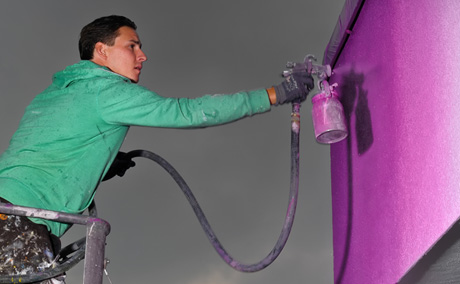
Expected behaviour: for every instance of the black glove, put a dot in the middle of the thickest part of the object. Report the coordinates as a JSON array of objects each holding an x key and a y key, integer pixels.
[
  {"x": 295, "y": 87},
  {"x": 119, "y": 166}
]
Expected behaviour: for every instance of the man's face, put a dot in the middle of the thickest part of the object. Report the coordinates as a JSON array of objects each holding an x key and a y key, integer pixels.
[{"x": 125, "y": 57}]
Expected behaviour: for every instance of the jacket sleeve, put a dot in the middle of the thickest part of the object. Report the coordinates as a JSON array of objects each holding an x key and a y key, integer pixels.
[{"x": 126, "y": 103}]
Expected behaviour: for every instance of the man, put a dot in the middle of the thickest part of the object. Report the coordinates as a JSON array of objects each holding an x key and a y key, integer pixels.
[{"x": 71, "y": 133}]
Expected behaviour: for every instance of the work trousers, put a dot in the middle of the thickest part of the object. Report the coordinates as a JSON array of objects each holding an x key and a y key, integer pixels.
[{"x": 25, "y": 247}]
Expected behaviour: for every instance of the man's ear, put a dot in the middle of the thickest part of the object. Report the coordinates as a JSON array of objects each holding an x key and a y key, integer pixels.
[{"x": 100, "y": 51}]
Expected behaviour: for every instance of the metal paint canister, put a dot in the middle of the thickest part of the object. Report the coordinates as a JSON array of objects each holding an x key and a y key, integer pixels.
[{"x": 328, "y": 118}]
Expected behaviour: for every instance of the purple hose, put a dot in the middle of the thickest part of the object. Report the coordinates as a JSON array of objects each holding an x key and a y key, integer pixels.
[{"x": 289, "y": 220}]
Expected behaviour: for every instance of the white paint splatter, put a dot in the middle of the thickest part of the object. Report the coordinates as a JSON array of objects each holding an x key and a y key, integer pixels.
[
  {"x": 205, "y": 118},
  {"x": 295, "y": 126}
]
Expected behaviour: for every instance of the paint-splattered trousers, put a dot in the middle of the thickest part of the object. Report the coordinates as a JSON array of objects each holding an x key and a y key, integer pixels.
[{"x": 25, "y": 247}]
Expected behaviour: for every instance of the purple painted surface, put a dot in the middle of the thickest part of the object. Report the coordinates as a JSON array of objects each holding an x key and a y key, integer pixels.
[{"x": 396, "y": 178}]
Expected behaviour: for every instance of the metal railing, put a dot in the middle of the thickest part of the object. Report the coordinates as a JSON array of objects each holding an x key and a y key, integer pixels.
[{"x": 93, "y": 251}]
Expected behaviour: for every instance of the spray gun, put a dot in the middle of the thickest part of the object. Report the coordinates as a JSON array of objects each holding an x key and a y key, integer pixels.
[
  {"x": 321, "y": 71},
  {"x": 327, "y": 112}
]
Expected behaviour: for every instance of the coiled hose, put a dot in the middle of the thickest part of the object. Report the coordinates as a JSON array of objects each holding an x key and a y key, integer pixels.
[
  {"x": 74, "y": 252},
  {"x": 289, "y": 219}
]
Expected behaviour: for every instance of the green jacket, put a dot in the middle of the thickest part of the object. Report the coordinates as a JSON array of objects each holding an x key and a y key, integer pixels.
[{"x": 71, "y": 132}]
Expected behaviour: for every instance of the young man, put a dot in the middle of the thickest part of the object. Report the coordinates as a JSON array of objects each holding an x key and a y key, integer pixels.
[{"x": 72, "y": 131}]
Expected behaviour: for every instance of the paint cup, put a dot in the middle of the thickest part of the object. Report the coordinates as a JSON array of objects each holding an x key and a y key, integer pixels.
[{"x": 328, "y": 118}]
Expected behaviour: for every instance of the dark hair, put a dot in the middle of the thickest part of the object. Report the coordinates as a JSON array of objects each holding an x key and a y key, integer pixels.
[{"x": 105, "y": 30}]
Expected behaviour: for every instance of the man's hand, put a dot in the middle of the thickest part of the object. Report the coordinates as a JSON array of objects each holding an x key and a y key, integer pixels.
[
  {"x": 119, "y": 166},
  {"x": 295, "y": 87}
]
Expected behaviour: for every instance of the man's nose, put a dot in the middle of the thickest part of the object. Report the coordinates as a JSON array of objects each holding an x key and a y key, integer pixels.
[{"x": 141, "y": 56}]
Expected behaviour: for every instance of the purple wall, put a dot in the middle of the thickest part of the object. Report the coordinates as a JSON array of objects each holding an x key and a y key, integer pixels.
[{"x": 396, "y": 178}]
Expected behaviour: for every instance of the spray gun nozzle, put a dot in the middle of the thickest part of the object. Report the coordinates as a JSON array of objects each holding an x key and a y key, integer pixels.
[{"x": 321, "y": 71}]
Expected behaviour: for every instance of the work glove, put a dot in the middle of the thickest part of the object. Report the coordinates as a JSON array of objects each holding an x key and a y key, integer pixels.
[
  {"x": 295, "y": 87},
  {"x": 119, "y": 166}
]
